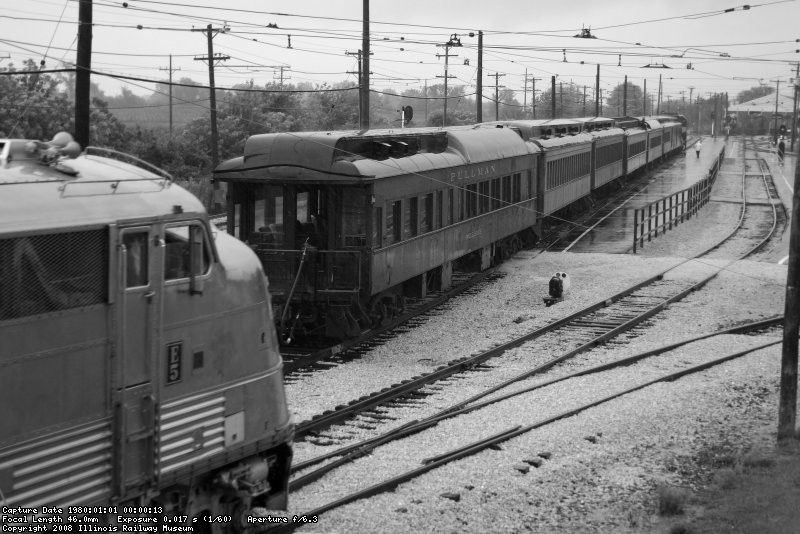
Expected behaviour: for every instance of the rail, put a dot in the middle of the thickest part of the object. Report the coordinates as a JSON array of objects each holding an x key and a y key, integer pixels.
[{"x": 666, "y": 212}]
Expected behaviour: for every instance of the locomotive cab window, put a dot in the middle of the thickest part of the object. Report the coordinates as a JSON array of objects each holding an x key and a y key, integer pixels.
[
  {"x": 186, "y": 252},
  {"x": 136, "y": 259}
]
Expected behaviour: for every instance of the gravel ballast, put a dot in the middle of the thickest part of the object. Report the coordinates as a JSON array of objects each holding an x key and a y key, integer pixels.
[{"x": 598, "y": 471}]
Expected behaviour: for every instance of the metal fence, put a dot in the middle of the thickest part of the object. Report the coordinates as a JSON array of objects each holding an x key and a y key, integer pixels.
[{"x": 664, "y": 213}]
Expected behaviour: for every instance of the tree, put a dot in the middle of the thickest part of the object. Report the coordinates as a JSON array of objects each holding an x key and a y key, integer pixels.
[
  {"x": 754, "y": 92},
  {"x": 616, "y": 100}
]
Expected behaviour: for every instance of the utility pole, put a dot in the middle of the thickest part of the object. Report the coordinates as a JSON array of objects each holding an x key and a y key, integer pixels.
[
  {"x": 560, "y": 99},
  {"x": 83, "y": 65},
  {"x": 212, "y": 59},
  {"x": 479, "y": 87},
  {"x": 363, "y": 88},
  {"x": 533, "y": 93},
  {"x": 281, "y": 77},
  {"x": 171, "y": 70},
  {"x": 777, "y": 96},
  {"x": 794, "y": 103},
  {"x": 453, "y": 42},
  {"x": 644, "y": 97},
  {"x": 597, "y": 93},
  {"x": 553, "y": 95},
  {"x": 497, "y": 95},
  {"x": 625, "y": 97},
  {"x": 691, "y": 90},
  {"x": 787, "y": 401},
  {"x": 525, "y": 93},
  {"x": 658, "y": 108},
  {"x": 584, "y": 100},
  {"x": 360, "y": 82}
]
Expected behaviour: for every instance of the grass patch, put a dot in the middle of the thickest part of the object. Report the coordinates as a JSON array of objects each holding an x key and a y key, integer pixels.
[{"x": 672, "y": 500}]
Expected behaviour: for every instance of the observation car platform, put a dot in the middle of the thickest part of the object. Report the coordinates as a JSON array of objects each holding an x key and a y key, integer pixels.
[{"x": 614, "y": 233}]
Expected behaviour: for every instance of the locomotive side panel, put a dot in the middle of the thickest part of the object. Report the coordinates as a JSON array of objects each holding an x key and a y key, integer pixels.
[{"x": 133, "y": 356}]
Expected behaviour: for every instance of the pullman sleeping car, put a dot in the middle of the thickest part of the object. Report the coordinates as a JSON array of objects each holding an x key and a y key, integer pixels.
[
  {"x": 139, "y": 365},
  {"x": 348, "y": 224}
]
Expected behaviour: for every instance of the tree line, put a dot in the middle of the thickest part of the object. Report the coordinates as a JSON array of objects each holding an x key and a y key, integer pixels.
[{"x": 38, "y": 105}]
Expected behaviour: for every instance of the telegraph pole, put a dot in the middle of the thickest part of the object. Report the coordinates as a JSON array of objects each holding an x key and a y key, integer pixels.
[
  {"x": 794, "y": 103},
  {"x": 171, "y": 70},
  {"x": 658, "y": 107},
  {"x": 597, "y": 93},
  {"x": 360, "y": 82},
  {"x": 287, "y": 67},
  {"x": 553, "y": 95},
  {"x": 453, "y": 42},
  {"x": 363, "y": 88},
  {"x": 644, "y": 98},
  {"x": 787, "y": 402},
  {"x": 584, "y": 100},
  {"x": 625, "y": 97},
  {"x": 525, "y": 93},
  {"x": 777, "y": 97},
  {"x": 497, "y": 95},
  {"x": 479, "y": 87},
  {"x": 83, "y": 66},
  {"x": 212, "y": 59}
]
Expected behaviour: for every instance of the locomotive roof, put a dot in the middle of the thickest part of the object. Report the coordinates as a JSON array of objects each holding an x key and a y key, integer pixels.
[
  {"x": 355, "y": 156},
  {"x": 652, "y": 124},
  {"x": 86, "y": 190}
]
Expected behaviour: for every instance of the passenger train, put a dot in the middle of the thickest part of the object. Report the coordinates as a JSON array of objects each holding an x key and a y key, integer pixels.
[
  {"x": 138, "y": 362},
  {"x": 347, "y": 224}
]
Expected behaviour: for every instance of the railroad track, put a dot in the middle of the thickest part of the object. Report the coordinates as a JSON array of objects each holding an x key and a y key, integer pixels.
[
  {"x": 299, "y": 361},
  {"x": 587, "y": 328},
  {"x": 584, "y": 329}
]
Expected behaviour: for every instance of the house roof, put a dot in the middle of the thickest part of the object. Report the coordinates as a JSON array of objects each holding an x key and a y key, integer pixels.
[{"x": 765, "y": 104}]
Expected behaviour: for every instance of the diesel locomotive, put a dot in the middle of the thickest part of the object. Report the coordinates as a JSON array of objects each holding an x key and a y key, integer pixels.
[
  {"x": 347, "y": 224},
  {"x": 139, "y": 365}
]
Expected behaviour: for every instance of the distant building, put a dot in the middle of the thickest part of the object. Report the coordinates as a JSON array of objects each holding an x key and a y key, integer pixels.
[{"x": 757, "y": 116}]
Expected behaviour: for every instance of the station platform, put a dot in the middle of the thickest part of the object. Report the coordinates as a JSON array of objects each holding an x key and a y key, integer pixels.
[{"x": 614, "y": 234}]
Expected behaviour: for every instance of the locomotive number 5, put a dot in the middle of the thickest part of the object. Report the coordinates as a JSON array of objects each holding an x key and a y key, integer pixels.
[{"x": 174, "y": 357}]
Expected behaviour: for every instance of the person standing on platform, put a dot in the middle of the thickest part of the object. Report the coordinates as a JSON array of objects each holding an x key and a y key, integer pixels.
[
  {"x": 698, "y": 146},
  {"x": 781, "y": 151}
]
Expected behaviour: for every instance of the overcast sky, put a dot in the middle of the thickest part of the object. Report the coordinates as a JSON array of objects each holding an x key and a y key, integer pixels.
[{"x": 519, "y": 35}]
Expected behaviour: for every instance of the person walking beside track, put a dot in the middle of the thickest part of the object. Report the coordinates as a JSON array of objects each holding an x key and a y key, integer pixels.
[
  {"x": 698, "y": 146},
  {"x": 781, "y": 151}
]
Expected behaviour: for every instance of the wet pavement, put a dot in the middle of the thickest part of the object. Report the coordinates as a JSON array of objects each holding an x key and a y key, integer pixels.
[{"x": 614, "y": 232}]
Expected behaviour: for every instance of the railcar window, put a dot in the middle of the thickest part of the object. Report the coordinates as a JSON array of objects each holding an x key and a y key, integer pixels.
[
  {"x": 530, "y": 184},
  {"x": 178, "y": 252},
  {"x": 472, "y": 200},
  {"x": 496, "y": 193},
  {"x": 506, "y": 190},
  {"x": 426, "y": 214},
  {"x": 137, "y": 259},
  {"x": 43, "y": 273},
  {"x": 411, "y": 217},
  {"x": 516, "y": 188},
  {"x": 377, "y": 227},
  {"x": 393, "y": 222},
  {"x": 353, "y": 224},
  {"x": 485, "y": 196},
  {"x": 439, "y": 208},
  {"x": 451, "y": 198}
]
